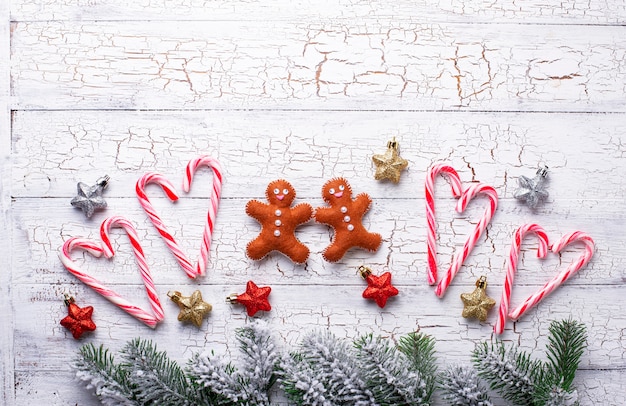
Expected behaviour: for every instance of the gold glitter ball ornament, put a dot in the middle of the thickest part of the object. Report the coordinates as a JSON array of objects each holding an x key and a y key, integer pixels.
[
  {"x": 477, "y": 304},
  {"x": 390, "y": 164},
  {"x": 192, "y": 308}
]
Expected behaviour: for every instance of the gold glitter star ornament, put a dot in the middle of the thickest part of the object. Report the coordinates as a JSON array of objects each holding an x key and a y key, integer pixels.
[
  {"x": 477, "y": 304},
  {"x": 192, "y": 308},
  {"x": 390, "y": 164}
]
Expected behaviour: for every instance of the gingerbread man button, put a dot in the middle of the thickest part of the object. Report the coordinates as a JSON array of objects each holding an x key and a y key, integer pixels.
[
  {"x": 278, "y": 223},
  {"x": 345, "y": 215}
]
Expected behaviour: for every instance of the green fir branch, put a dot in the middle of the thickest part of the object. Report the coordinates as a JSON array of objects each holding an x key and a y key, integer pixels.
[
  {"x": 420, "y": 349},
  {"x": 96, "y": 368},
  {"x": 157, "y": 379},
  {"x": 566, "y": 345}
]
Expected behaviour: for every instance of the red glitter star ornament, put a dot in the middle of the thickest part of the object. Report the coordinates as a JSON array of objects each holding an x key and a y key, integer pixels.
[
  {"x": 78, "y": 320},
  {"x": 379, "y": 288},
  {"x": 254, "y": 299}
]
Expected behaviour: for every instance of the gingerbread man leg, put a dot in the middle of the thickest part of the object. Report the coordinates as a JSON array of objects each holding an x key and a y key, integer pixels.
[
  {"x": 335, "y": 251},
  {"x": 257, "y": 248},
  {"x": 295, "y": 250}
]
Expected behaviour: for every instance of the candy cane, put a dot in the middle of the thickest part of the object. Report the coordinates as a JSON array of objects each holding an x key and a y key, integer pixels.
[
  {"x": 576, "y": 236},
  {"x": 459, "y": 258},
  {"x": 118, "y": 221},
  {"x": 168, "y": 188},
  {"x": 95, "y": 249},
  {"x": 431, "y": 237},
  {"x": 192, "y": 167},
  {"x": 511, "y": 268}
]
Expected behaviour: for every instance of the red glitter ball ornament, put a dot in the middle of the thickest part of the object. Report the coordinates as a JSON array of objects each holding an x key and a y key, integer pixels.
[
  {"x": 78, "y": 320},
  {"x": 254, "y": 299},
  {"x": 379, "y": 288}
]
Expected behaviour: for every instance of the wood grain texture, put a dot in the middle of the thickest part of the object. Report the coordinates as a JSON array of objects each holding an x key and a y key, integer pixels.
[
  {"x": 570, "y": 12},
  {"x": 318, "y": 65},
  {"x": 6, "y": 313},
  {"x": 308, "y": 93},
  {"x": 490, "y": 147}
]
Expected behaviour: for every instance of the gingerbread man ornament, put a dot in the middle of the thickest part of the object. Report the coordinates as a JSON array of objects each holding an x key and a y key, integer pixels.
[
  {"x": 345, "y": 215},
  {"x": 278, "y": 223}
]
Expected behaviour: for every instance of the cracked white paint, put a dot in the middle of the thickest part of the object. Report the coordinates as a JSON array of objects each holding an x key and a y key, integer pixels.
[
  {"x": 528, "y": 11},
  {"x": 310, "y": 93},
  {"x": 288, "y": 65}
]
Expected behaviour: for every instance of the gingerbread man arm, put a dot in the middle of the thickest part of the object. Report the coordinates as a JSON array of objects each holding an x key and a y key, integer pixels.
[
  {"x": 302, "y": 212},
  {"x": 257, "y": 209},
  {"x": 362, "y": 202},
  {"x": 325, "y": 214}
]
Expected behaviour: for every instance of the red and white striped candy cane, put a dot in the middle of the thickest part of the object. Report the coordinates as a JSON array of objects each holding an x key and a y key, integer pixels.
[
  {"x": 576, "y": 236},
  {"x": 429, "y": 187},
  {"x": 95, "y": 249},
  {"x": 118, "y": 221},
  {"x": 192, "y": 167},
  {"x": 168, "y": 188},
  {"x": 459, "y": 258},
  {"x": 511, "y": 268}
]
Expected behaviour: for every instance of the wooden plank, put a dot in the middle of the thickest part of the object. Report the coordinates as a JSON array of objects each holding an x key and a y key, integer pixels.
[
  {"x": 403, "y": 251},
  {"x": 477, "y": 11},
  {"x": 7, "y": 395},
  {"x": 313, "y": 65},
  {"x": 298, "y": 309},
  {"x": 52, "y": 151}
]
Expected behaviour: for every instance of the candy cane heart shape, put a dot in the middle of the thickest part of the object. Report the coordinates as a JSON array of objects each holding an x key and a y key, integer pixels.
[
  {"x": 192, "y": 167},
  {"x": 168, "y": 188},
  {"x": 96, "y": 250},
  {"x": 511, "y": 268},
  {"x": 457, "y": 261},
  {"x": 190, "y": 269},
  {"x": 575, "y": 266},
  {"x": 429, "y": 188}
]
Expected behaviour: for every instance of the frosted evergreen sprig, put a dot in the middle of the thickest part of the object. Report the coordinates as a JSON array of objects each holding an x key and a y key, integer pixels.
[
  {"x": 249, "y": 385},
  {"x": 389, "y": 373},
  {"x": 461, "y": 386},
  {"x": 327, "y": 371},
  {"x": 155, "y": 378},
  {"x": 96, "y": 368},
  {"x": 324, "y": 371},
  {"x": 523, "y": 381},
  {"x": 509, "y": 372},
  {"x": 257, "y": 345}
]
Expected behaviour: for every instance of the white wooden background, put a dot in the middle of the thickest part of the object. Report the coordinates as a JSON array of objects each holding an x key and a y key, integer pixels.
[{"x": 308, "y": 91}]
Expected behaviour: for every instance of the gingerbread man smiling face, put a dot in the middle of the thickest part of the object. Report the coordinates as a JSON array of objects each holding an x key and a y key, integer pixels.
[
  {"x": 278, "y": 223},
  {"x": 345, "y": 215}
]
